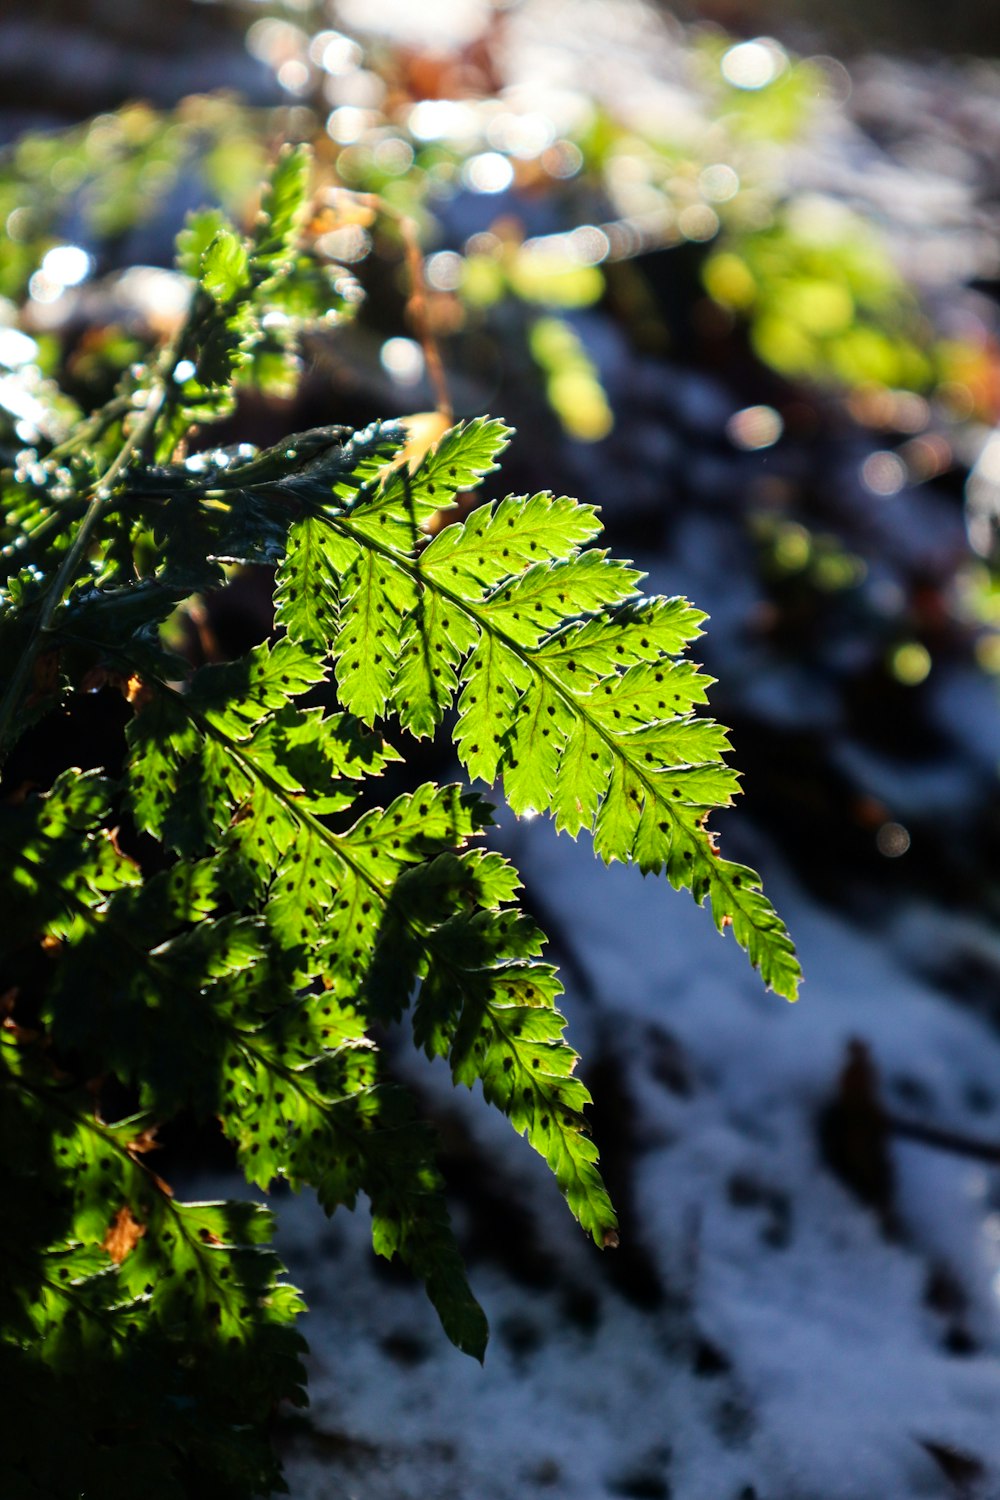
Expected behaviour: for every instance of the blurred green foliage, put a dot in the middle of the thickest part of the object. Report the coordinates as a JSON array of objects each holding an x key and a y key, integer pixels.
[
  {"x": 812, "y": 281},
  {"x": 823, "y": 299},
  {"x": 116, "y": 171}
]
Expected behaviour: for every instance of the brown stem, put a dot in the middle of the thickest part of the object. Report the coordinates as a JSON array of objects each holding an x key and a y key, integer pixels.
[
  {"x": 417, "y": 307},
  {"x": 417, "y": 310},
  {"x": 102, "y": 497},
  {"x": 944, "y": 1140}
]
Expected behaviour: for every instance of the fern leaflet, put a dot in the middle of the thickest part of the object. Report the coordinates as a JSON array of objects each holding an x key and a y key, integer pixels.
[{"x": 568, "y": 682}]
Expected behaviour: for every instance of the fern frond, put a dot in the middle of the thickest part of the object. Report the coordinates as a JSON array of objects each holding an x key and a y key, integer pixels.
[
  {"x": 306, "y": 1104},
  {"x": 399, "y": 882},
  {"x": 567, "y": 681},
  {"x": 115, "y": 1294},
  {"x": 300, "y": 1093},
  {"x": 236, "y": 283}
]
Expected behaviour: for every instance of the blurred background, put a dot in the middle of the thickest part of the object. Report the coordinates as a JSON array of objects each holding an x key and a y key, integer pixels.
[{"x": 732, "y": 271}]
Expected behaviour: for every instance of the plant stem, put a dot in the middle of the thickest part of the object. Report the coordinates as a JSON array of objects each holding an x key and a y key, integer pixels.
[
  {"x": 417, "y": 305},
  {"x": 419, "y": 313},
  {"x": 118, "y": 406},
  {"x": 100, "y": 502}
]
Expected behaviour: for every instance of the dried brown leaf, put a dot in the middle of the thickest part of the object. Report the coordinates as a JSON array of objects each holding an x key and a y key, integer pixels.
[{"x": 123, "y": 1236}]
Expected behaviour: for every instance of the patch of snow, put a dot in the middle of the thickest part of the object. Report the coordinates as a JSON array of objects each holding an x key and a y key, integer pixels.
[{"x": 793, "y": 1351}]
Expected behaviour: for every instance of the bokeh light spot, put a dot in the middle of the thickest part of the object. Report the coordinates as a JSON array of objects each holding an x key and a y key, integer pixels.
[
  {"x": 349, "y": 123},
  {"x": 892, "y": 840},
  {"x": 403, "y": 360},
  {"x": 883, "y": 473},
  {"x": 588, "y": 244},
  {"x": 394, "y": 156},
  {"x": 753, "y": 65},
  {"x": 563, "y": 159},
  {"x": 67, "y": 265},
  {"x": 987, "y": 646},
  {"x": 293, "y": 75},
  {"x": 698, "y": 222},
  {"x": 444, "y": 270},
  {"x": 336, "y": 54},
  {"x": 729, "y": 280},
  {"x": 719, "y": 183},
  {"x": 349, "y": 244},
  {"x": 16, "y": 348},
  {"x": 42, "y": 288},
  {"x": 522, "y": 135},
  {"x": 441, "y": 119},
  {"x": 910, "y": 663},
  {"x": 754, "y": 427},
  {"x": 792, "y": 547},
  {"x": 489, "y": 172}
]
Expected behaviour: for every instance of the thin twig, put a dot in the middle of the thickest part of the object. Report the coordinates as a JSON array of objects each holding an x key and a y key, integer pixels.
[
  {"x": 944, "y": 1140},
  {"x": 417, "y": 306},
  {"x": 100, "y": 502},
  {"x": 118, "y": 406}
]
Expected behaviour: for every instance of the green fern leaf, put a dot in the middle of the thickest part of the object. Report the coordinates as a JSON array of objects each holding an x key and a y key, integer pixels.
[
  {"x": 434, "y": 639},
  {"x": 525, "y": 610},
  {"x": 329, "y": 754},
  {"x": 238, "y": 696},
  {"x": 329, "y": 1122},
  {"x": 248, "y": 979},
  {"x": 491, "y": 1011},
  {"x": 581, "y": 779},
  {"x": 59, "y": 861},
  {"x": 566, "y": 678},
  {"x": 494, "y": 675},
  {"x": 305, "y": 600},
  {"x": 225, "y": 267},
  {"x": 526, "y": 1071},
  {"x": 282, "y": 211},
  {"x": 133, "y": 1298},
  {"x": 533, "y": 749},
  {"x": 458, "y": 462},
  {"x": 497, "y": 542},
  {"x": 392, "y": 513},
  {"x": 374, "y": 598}
]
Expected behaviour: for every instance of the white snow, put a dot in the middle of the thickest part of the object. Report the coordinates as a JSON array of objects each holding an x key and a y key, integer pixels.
[{"x": 826, "y": 1370}]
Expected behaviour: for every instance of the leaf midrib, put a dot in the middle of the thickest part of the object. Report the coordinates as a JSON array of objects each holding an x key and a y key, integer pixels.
[{"x": 710, "y": 863}]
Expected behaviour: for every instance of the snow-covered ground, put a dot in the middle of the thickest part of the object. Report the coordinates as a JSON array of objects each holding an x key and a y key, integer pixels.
[{"x": 772, "y": 1336}]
